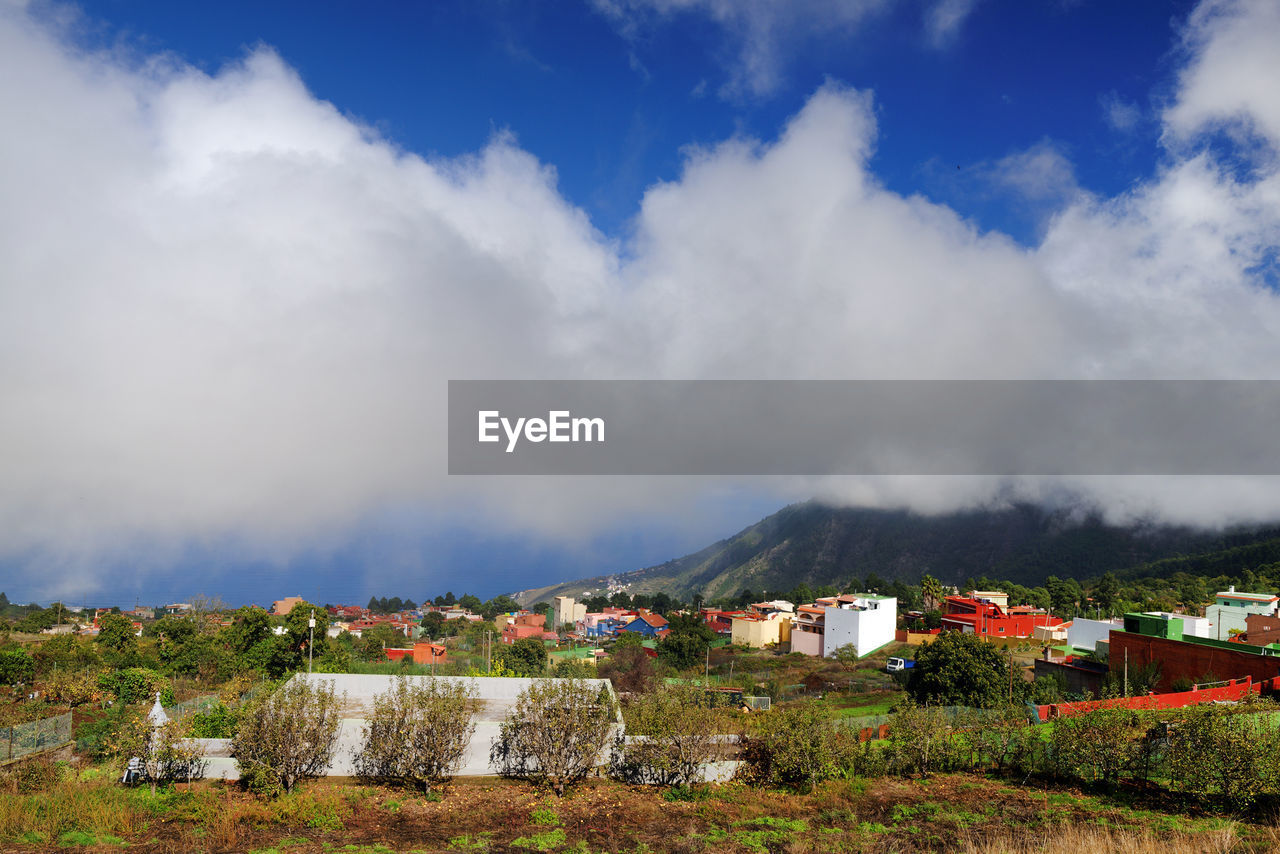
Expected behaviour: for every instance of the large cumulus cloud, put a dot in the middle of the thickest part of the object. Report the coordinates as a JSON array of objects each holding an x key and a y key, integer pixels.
[{"x": 229, "y": 310}]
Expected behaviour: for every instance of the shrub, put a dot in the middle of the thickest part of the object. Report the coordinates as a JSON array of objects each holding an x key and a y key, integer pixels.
[
  {"x": 34, "y": 775},
  {"x": 555, "y": 732},
  {"x": 1224, "y": 754},
  {"x": 1100, "y": 746},
  {"x": 218, "y": 721},
  {"x": 675, "y": 736},
  {"x": 134, "y": 684},
  {"x": 16, "y": 665},
  {"x": 165, "y": 756},
  {"x": 920, "y": 740},
  {"x": 72, "y": 688},
  {"x": 418, "y": 733},
  {"x": 796, "y": 745},
  {"x": 290, "y": 731}
]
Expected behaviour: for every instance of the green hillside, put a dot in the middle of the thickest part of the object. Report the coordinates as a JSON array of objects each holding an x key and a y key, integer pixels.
[{"x": 818, "y": 544}]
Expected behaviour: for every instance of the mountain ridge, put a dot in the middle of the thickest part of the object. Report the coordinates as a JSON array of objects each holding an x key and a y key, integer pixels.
[{"x": 821, "y": 544}]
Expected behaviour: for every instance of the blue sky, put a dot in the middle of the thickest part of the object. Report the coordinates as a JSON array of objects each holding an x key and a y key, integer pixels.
[
  {"x": 612, "y": 110},
  {"x": 243, "y": 247}
]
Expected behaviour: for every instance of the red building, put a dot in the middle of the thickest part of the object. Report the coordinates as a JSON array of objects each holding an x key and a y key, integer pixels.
[{"x": 960, "y": 613}]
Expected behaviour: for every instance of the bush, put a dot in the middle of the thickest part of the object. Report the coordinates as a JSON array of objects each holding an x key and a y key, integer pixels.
[
  {"x": 218, "y": 721},
  {"x": 418, "y": 733},
  {"x": 674, "y": 736},
  {"x": 165, "y": 756},
  {"x": 796, "y": 745},
  {"x": 16, "y": 666},
  {"x": 555, "y": 732},
  {"x": 920, "y": 740},
  {"x": 1100, "y": 746},
  {"x": 72, "y": 688},
  {"x": 137, "y": 684},
  {"x": 33, "y": 775},
  {"x": 1225, "y": 754},
  {"x": 290, "y": 731}
]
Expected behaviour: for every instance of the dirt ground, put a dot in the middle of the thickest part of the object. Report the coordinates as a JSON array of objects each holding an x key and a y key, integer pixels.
[{"x": 946, "y": 813}]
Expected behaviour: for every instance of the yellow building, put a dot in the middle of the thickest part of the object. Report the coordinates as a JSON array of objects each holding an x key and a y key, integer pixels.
[{"x": 757, "y": 632}]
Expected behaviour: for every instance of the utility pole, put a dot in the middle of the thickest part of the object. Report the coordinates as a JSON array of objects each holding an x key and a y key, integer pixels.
[
  {"x": 488, "y": 652},
  {"x": 311, "y": 638}
]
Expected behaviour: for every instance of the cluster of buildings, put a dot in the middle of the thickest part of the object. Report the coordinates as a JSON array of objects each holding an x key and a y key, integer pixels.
[
  {"x": 1237, "y": 638},
  {"x": 865, "y": 621}
]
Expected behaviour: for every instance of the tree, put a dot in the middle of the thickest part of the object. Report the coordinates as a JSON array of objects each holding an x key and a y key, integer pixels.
[
  {"x": 1105, "y": 592},
  {"x": 525, "y": 657},
  {"x": 846, "y": 656},
  {"x": 918, "y": 740},
  {"x": 162, "y": 752},
  {"x": 672, "y": 735},
  {"x": 629, "y": 668},
  {"x": 250, "y": 626},
  {"x": 959, "y": 669},
  {"x": 418, "y": 733},
  {"x": 932, "y": 591},
  {"x": 433, "y": 625},
  {"x": 288, "y": 734},
  {"x": 116, "y": 632},
  {"x": 687, "y": 641},
  {"x": 298, "y": 630},
  {"x": 374, "y": 640},
  {"x": 471, "y": 603},
  {"x": 555, "y": 732},
  {"x": 1227, "y": 754},
  {"x": 1064, "y": 595}
]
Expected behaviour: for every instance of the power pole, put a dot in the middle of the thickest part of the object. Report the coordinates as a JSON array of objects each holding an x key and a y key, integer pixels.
[{"x": 311, "y": 638}]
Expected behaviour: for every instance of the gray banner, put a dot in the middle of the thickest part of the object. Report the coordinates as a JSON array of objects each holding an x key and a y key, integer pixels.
[{"x": 979, "y": 427}]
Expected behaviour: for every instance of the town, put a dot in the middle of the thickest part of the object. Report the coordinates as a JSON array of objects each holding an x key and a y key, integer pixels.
[{"x": 907, "y": 682}]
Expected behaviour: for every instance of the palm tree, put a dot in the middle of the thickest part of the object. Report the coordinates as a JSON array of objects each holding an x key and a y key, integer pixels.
[{"x": 931, "y": 589}]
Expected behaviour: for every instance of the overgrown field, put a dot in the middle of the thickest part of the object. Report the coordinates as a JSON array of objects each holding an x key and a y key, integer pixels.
[{"x": 964, "y": 813}]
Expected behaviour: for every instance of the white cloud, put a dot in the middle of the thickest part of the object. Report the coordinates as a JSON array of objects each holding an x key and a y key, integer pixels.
[
  {"x": 759, "y": 33},
  {"x": 1123, "y": 116},
  {"x": 943, "y": 20},
  {"x": 1229, "y": 78},
  {"x": 228, "y": 311}
]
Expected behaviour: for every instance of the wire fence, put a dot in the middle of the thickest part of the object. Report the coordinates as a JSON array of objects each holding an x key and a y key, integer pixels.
[
  {"x": 188, "y": 707},
  {"x": 25, "y": 739}
]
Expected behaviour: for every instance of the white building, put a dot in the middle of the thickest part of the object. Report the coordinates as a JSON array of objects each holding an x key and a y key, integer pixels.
[
  {"x": 864, "y": 620},
  {"x": 1085, "y": 634}
]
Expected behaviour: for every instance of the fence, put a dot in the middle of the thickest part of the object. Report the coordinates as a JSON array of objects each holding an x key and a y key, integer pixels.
[
  {"x": 28, "y": 738},
  {"x": 195, "y": 704}
]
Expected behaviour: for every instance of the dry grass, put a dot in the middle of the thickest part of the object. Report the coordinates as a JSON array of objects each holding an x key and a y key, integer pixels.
[
  {"x": 1077, "y": 839},
  {"x": 949, "y": 813}
]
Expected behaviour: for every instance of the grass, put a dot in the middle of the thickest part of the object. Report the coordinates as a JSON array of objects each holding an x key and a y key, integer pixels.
[{"x": 953, "y": 812}]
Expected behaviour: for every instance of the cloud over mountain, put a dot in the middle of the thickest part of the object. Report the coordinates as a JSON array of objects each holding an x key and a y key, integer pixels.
[{"x": 229, "y": 310}]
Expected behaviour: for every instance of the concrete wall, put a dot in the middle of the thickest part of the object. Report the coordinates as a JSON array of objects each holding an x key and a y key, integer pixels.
[
  {"x": 809, "y": 643},
  {"x": 1188, "y": 660}
]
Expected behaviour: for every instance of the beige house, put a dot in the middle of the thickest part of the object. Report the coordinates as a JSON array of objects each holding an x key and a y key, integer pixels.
[
  {"x": 283, "y": 606},
  {"x": 758, "y": 631}
]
